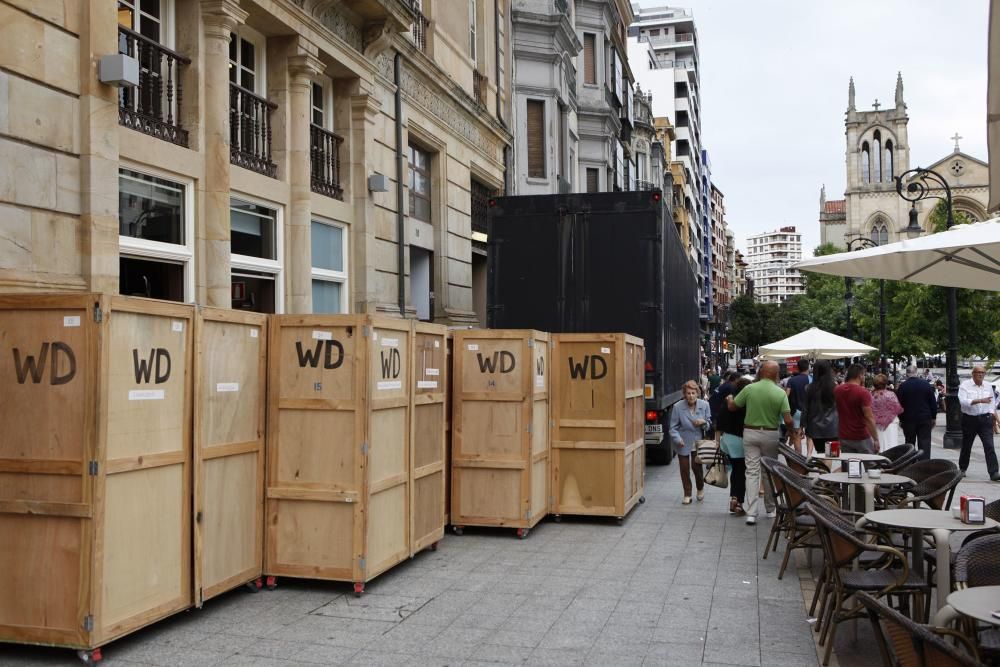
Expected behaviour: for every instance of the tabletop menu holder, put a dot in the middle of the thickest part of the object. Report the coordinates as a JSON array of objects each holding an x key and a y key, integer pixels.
[{"x": 854, "y": 468}]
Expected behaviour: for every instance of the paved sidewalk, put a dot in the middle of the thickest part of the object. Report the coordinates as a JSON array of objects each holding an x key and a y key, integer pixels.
[{"x": 676, "y": 585}]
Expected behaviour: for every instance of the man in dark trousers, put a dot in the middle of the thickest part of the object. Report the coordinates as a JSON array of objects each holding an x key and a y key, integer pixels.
[
  {"x": 797, "y": 399},
  {"x": 919, "y": 402}
]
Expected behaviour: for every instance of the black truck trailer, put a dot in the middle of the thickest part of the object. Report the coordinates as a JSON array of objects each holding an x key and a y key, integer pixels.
[{"x": 600, "y": 263}]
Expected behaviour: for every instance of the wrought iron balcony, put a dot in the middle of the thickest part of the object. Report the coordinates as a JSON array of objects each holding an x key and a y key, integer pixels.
[
  {"x": 250, "y": 131},
  {"x": 324, "y": 155},
  {"x": 421, "y": 25},
  {"x": 154, "y": 107}
]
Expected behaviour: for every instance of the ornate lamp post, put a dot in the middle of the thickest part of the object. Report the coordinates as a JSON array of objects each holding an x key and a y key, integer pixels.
[
  {"x": 855, "y": 244},
  {"x": 922, "y": 184}
]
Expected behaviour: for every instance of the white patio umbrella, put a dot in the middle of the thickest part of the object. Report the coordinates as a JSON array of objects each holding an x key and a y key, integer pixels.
[
  {"x": 815, "y": 344},
  {"x": 963, "y": 256}
]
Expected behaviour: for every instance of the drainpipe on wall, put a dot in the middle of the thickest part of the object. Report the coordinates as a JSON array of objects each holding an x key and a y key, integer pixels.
[{"x": 397, "y": 64}]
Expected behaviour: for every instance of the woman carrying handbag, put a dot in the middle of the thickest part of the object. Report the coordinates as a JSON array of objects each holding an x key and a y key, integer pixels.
[{"x": 689, "y": 421}]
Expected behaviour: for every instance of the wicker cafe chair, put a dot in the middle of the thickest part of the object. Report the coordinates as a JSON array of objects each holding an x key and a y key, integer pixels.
[
  {"x": 936, "y": 491},
  {"x": 978, "y": 564},
  {"x": 781, "y": 518},
  {"x": 930, "y": 552},
  {"x": 799, "y": 463},
  {"x": 918, "y": 472},
  {"x": 913, "y": 644},
  {"x": 893, "y": 467},
  {"x": 894, "y": 454},
  {"x": 842, "y": 545},
  {"x": 799, "y": 528}
]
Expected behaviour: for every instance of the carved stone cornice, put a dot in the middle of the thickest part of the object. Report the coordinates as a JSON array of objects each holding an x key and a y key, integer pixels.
[
  {"x": 221, "y": 17},
  {"x": 305, "y": 65}
]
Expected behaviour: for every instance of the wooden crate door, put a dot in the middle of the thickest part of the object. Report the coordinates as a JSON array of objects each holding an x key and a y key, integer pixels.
[
  {"x": 48, "y": 385},
  {"x": 428, "y": 445},
  {"x": 388, "y": 525},
  {"x": 146, "y": 540},
  {"x": 229, "y": 450},
  {"x": 315, "y": 465},
  {"x": 540, "y": 439}
]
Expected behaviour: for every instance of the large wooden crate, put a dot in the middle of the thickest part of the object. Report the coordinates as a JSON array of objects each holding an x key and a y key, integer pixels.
[
  {"x": 428, "y": 453},
  {"x": 338, "y": 480},
  {"x": 598, "y": 453},
  {"x": 95, "y": 462},
  {"x": 500, "y": 429},
  {"x": 229, "y": 401}
]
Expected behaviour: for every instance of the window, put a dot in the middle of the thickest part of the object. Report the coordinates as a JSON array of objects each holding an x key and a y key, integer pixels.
[
  {"x": 155, "y": 230},
  {"x": 880, "y": 232},
  {"x": 887, "y": 162},
  {"x": 472, "y": 30},
  {"x": 246, "y": 60},
  {"x": 420, "y": 184},
  {"x": 655, "y": 32},
  {"x": 149, "y": 18},
  {"x": 876, "y": 157},
  {"x": 321, "y": 103},
  {"x": 536, "y": 138},
  {"x": 256, "y": 249},
  {"x": 329, "y": 267},
  {"x": 865, "y": 163},
  {"x": 593, "y": 180},
  {"x": 589, "y": 62},
  {"x": 562, "y": 141}
]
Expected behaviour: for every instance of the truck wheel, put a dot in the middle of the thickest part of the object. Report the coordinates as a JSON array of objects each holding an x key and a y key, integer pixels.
[{"x": 658, "y": 455}]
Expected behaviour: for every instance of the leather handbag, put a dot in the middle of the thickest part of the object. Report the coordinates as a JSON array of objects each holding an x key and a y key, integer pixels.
[
  {"x": 717, "y": 473},
  {"x": 705, "y": 451}
]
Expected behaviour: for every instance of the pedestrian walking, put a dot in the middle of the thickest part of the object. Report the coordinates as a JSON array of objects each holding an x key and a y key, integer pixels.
[
  {"x": 819, "y": 412},
  {"x": 886, "y": 408},
  {"x": 856, "y": 422},
  {"x": 796, "y": 400},
  {"x": 689, "y": 421},
  {"x": 766, "y": 406},
  {"x": 978, "y": 412},
  {"x": 714, "y": 380},
  {"x": 919, "y": 403},
  {"x": 730, "y": 428},
  {"x": 717, "y": 399}
]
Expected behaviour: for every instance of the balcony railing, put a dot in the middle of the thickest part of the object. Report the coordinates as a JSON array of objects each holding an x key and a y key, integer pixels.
[
  {"x": 250, "y": 131},
  {"x": 480, "y": 84},
  {"x": 154, "y": 107},
  {"x": 420, "y": 26},
  {"x": 324, "y": 155}
]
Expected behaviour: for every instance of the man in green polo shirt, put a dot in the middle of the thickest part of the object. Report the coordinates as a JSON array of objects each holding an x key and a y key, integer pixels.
[{"x": 767, "y": 405}]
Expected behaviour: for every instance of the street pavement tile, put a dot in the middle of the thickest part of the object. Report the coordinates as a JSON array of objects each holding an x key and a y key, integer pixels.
[
  {"x": 484, "y": 621},
  {"x": 390, "y": 608},
  {"x": 770, "y": 658},
  {"x": 373, "y": 658},
  {"x": 575, "y": 639},
  {"x": 269, "y": 648},
  {"x": 542, "y": 620},
  {"x": 680, "y": 653},
  {"x": 323, "y": 655},
  {"x": 493, "y": 653},
  {"x": 519, "y": 638},
  {"x": 556, "y": 657},
  {"x": 223, "y": 643},
  {"x": 731, "y": 654}
]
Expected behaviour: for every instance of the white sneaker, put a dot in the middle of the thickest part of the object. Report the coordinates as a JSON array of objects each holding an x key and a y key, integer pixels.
[
  {"x": 751, "y": 520},
  {"x": 771, "y": 515}
]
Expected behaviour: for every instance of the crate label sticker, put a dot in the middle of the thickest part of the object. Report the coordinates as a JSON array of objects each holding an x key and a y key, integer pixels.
[
  {"x": 540, "y": 381},
  {"x": 254, "y": 333},
  {"x": 472, "y": 347},
  {"x": 427, "y": 384},
  {"x": 592, "y": 365},
  {"x": 322, "y": 335},
  {"x": 437, "y": 344},
  {"x": 385, "y": 385},
  {"x": 432, "y": 371},
  {"x": 223, "y": 387},
  {"x": 146, "y": 395},
  {"x": 390, "y": 342},
  {"x": 176, "y": 326},
  {"x": 605, "y": 350},
  {"x": 71, "y": 321},
  {"x": 374, "y": 335}
]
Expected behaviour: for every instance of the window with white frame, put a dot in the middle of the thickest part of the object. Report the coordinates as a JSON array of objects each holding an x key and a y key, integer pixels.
[
  {"x": 246, "y": 59},
  {"x": 321, "y": 102},
  {"x": 329, "y": 267},
  {"x": 149, "y": 18},
  {"x": 155, "y": 236},
  {"x": 256, "y": 251},
  {"x": 472, "y": 30}
]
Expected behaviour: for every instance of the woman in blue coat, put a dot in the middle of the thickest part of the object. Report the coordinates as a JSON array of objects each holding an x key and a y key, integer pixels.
[{"x": 689, "y": 420}]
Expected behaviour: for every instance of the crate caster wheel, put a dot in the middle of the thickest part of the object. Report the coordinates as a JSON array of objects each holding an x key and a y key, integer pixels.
[
  {"x": 359, "y": 588},
  {"x": 434, "y": 547},
  {"x": 457, "y": 530},
  {"x": 255, "y": 585},
  {"x": 620, "y": 520},
  {"x": 90, "y": 657},
  {"x": 557, "y": 518},
  {"x": 642, "y": 500},
  {"x": 271, "y": 583},
  {"x": 522, "y": 533}
]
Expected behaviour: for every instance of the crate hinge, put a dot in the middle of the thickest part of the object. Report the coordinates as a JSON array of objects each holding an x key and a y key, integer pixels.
[
  {"x": 364, "y": 448},
  {"x": 361, "y": 563},
  {"x": 531, "y": 342},
  {"x": 92, "y": 467},
  {"x": 527, "y": 514},
  {"x": 98, "y": 314},
  {"x": 88, "y": 623},
  {"x": 529, "y": 427}
]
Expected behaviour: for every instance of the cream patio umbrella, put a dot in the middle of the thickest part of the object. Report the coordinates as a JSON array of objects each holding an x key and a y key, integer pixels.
[{"x": 815, "y": 344}]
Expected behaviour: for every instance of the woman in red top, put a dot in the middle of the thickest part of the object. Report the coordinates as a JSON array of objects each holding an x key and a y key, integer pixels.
[{"x": 886, "y": 407}]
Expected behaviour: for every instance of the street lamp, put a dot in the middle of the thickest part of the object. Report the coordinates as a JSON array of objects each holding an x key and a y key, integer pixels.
[
  {"x": 856, "y": 243},
  {"x": 922, "y": 184}
]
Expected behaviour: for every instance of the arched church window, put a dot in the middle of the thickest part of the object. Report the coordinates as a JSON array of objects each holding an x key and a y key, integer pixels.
[
  {"x": 880, "y": 232},
  {"x": 887, "y": 163},
  {"x": 865, "y": 163},
  {"x": 877, "y": 157}
]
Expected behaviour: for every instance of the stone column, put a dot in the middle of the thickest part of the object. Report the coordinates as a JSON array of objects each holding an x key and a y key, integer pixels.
[
  {"x": 302, "y": 66},
  {"x": 212, "y": 232}
]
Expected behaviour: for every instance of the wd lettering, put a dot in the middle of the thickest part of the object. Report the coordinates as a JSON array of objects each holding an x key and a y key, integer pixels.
[
  {"x": 490, "y": 364},
  {"x": 36, "y": 369},
  {"x": 540, "y": 366},
  {"x": 391, "y": 364},
  {"x": 144, "y": 367},
  {"x": 579, "y": 371},
  {"x": 325, "y": 347}
]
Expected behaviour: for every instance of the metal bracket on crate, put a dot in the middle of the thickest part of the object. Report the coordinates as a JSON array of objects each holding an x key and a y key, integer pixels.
[
  {"x": 531, "y": 342},
  {"x": 98, "y": 315},
  {"x": 92, "y": 467},
  {"x": 361, "y": 563},
  {"x": 88, "y": 623},
  {"x": 364, "y": 448}
]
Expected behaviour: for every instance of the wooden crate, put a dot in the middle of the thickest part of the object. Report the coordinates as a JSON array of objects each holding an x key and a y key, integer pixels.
[
  {"x": 428, "y": 451},
  {"x": 338, "y": 480},
  {"x": 598, "y": 452},
  {"x": 500, "y": 429},
  {"x": 95, "y": 463},
  {"x": 229, "y": 397},
  {"x": 449, "y": 352}
]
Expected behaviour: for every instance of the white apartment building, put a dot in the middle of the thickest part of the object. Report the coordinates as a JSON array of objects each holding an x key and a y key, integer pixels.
[{"x": 769, "y": 258}]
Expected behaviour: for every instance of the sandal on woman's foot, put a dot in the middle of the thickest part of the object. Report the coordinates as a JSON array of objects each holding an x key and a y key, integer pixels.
[
  {"x": 739, "y": 511},
  {"x": 701, "y": 495},
  {"x": 733, "y": 504},
  {"x": 686, "y": 501}
]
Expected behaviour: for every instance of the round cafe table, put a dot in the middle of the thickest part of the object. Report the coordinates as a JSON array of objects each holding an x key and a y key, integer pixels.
[
  {"x": 941, "y": 524},
  {"x": 846, "y": 456},
  {"x": 978, "y": 603},
  {"x": 868, "y": 483}
]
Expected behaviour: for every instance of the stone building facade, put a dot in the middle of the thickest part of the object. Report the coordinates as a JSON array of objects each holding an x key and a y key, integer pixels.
[{"x": 258, "y": 165}]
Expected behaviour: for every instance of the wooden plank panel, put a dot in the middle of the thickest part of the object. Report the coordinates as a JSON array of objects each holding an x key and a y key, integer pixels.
[{"x": 230, "y": 521}]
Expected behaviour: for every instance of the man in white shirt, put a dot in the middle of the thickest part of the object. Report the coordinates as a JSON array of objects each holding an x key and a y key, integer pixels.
[{"x": 978, "y": 413}]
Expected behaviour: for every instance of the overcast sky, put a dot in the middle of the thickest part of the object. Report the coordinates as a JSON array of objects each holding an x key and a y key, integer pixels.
[{"x": 774, "y": 77}]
